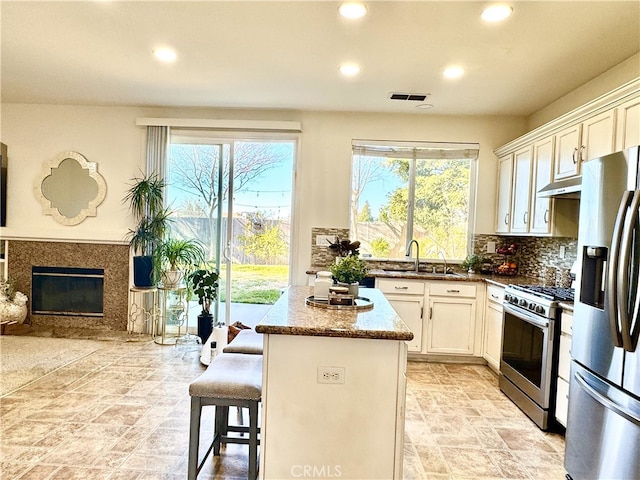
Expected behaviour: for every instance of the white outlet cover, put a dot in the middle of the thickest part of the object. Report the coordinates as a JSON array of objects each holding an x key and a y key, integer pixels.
[
  {"x": 333, "y": 375},
  {"x": 325, "y": 240}
]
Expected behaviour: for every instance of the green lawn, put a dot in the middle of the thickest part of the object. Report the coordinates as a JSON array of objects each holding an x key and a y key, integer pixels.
[{"x": 256, "y": 283}]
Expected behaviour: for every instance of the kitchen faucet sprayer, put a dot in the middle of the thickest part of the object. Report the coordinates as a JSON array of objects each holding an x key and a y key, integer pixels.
[{"x": 408, "y": 253}]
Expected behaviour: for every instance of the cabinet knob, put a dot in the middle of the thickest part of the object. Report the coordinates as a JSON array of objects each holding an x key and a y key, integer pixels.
[
  {"x": 546, "y": 216},
  {"x": 574, "y": 157},
  {"x": 453, "y": 291},
  {"x": 524, "y": 217},
  {"x": 506, "y": 219},
  {"x": 401, "y": 288}
]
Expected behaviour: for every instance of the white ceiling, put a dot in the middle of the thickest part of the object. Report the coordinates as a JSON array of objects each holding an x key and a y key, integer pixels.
[{"x": 286, "y": 55}]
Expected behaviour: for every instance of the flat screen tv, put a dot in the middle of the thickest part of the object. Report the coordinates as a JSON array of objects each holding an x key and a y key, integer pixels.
[{"x": 4, "y": 161}]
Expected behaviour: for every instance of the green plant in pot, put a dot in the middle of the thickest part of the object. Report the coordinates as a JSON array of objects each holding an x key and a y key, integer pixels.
[
  {"x": 349, "y": 270},
  {"x": 203, "y": 282},
  {"x": 174, "y": 256},
  {"x": 473, "y": 263},
  {"x": 145, "y": 198}
]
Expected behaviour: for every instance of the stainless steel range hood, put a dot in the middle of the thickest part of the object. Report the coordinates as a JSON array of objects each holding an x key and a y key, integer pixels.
[{"x": 566, "y": 188}]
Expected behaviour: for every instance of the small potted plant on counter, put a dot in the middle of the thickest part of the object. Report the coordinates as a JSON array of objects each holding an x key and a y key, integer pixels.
[
  {"x": 473, "y": 263},
  {"x": 349, "y": 270},
  {"x": 204, "y": 284}
]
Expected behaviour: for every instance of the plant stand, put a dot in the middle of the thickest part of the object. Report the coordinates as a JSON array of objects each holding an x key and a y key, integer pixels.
[{"x": 172, "y": 317}]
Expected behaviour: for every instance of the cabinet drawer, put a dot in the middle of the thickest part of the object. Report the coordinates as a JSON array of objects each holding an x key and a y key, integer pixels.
[
  {"x": 564, "y": 360},
  {"x": 407, "y": 287},
  {"x": 566, "y": 322},
  {"x": 452, "y": 289},
  {"x": 495, "y": 294},
  {"x": 562, "y": 402}
]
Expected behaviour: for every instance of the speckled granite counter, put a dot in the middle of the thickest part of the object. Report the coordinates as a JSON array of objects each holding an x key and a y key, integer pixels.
[{"x": 291, "y": 316}]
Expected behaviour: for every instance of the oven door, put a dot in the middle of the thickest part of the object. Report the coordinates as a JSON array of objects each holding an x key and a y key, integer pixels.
[{"x": 527, "y": 353}]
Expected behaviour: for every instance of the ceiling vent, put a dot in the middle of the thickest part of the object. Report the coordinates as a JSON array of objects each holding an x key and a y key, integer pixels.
[{"x": 412, "y": 97}]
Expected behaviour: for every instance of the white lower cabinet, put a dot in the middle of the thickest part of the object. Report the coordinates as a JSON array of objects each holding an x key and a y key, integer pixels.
[
  {"x": 564, "y": 367},
  {"x": 407, "y": 299},
  {"x": 492, "y": 349},
  {"x": 451, "y": 323}
]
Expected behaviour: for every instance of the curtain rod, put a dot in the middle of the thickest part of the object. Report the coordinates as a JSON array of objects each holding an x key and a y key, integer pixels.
[{"x": 265, "y": 125}]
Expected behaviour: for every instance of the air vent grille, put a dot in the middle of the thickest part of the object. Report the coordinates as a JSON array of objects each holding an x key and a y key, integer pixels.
[{"x": 412, "y": 97}]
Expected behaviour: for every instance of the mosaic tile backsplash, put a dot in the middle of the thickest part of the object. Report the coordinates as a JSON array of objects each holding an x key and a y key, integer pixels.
[{"x": 533, "y": 255}]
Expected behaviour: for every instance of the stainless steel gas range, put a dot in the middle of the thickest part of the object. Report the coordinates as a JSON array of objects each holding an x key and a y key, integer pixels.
[{"x": 530, "y": 337}]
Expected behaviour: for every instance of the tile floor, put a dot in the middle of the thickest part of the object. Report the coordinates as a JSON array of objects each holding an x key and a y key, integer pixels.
[{"x": 121, "y": 413}]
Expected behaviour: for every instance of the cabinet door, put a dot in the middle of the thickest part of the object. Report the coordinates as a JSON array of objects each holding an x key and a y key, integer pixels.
[
  {"x": 410, "y": 310},
  {"x": 598, "y": 136},
  {"x": 503, "y": 210},
  {"x": 628, "y": 125},
  {"x": 542, "y": 176},
  {"x": 521, "y": 190},
  {"x": 566, "y": 161},
  {"x": 451, "y": 326},
  {"x": 493, "y": 335}
]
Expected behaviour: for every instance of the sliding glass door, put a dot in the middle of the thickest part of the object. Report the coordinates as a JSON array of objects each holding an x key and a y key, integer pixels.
[{"x": 235, "y": 196}]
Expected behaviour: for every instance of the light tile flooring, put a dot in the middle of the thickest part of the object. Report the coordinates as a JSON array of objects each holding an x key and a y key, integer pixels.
[{"x": 121, "y": 413}]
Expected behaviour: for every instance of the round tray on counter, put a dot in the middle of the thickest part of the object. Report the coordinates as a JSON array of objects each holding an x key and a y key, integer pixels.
[{"x": 362, "y": 303}]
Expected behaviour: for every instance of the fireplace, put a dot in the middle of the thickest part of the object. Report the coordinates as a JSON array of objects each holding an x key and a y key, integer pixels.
[
  {"x": 67, "y": 291},
  {"x": 111, "y": 259}
]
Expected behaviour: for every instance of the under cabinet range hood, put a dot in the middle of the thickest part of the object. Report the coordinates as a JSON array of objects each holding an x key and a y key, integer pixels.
[{"x": 566, "y": 188}]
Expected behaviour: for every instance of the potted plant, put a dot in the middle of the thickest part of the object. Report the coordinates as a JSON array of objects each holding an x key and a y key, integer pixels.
[
  {"x": 203, "y": 282},
  {"x": 145, "y": 197},
  {"x": 174, "y": 256},
  {"x": 349, "y": 270},
  {"x": 473, "y": 263}
]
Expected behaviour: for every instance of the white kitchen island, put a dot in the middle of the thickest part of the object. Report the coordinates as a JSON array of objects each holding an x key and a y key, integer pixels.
[{"x": 351, "y": 427}]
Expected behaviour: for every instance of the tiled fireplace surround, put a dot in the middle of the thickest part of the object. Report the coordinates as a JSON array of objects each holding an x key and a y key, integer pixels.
[{"x": 113, "y": 258}]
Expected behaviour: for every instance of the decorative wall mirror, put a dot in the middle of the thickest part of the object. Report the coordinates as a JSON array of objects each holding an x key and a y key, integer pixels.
[{"x": 70, "y": 188}]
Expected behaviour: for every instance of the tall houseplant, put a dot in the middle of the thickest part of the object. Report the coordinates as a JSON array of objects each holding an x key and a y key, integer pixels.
[
  {"x": 174, "y": 256},
  {"x": 145, "y": 198},
  {"x": 204, "y": 284}
]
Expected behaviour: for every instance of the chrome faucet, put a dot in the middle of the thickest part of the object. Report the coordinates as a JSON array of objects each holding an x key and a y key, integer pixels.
[
  {"x": 408, "y": 253},
  {"x": 441, "y": 253}
]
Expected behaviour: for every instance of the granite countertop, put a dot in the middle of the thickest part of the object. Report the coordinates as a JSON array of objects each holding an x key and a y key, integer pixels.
[
  {"x": 500, "y": 280},
  {"x": 290, "y": 315}
]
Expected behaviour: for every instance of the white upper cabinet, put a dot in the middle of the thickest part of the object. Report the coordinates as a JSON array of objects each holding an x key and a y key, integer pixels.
[
  {"x": 567, "y": 147},
  {"x": 628, "y": 125},
  {"x": 598, "y": 136},
  {"x": 542, "y": 176},
  {"x": 503, "y": 210},
  {"x": 521, "y": 190}
]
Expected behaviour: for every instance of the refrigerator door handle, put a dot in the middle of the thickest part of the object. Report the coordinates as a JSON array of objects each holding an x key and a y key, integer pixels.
[
  {"x": 614, "y": 265},
  {"x": 601, "y": 397},
  {"x": 623, "y": 272}
]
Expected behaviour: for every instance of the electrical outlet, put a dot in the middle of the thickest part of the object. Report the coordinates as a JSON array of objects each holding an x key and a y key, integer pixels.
[
  {"x": 325, "y": 240},
  {"x": 331, "y": 374},
  {"x": 563, "y": 251},
  {"x": 491, "y": 247}
]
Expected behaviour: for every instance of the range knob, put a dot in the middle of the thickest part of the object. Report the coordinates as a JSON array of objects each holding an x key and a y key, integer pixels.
[
  {"x": 539, "y": 309},
  {"x": 532, "y": 306},
  {"x": 523, "y": 303}
]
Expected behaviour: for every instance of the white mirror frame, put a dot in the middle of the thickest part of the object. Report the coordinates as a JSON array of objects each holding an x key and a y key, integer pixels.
[{"x": 91, "y": 209}]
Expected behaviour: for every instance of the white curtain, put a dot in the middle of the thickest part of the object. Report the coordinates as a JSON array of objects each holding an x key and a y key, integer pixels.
[{"x": 157, "y": 149}]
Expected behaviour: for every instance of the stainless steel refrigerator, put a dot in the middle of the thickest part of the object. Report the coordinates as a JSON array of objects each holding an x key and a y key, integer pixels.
[{"x": 603, "y": 426}]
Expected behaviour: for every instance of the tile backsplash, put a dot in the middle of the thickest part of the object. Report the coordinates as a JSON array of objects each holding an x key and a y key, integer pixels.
[
  {"x": 534, "y": 253},
  {"x": 322, "y": 256}
]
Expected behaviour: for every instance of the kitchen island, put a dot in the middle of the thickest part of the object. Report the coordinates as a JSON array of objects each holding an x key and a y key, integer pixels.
[{"x": 333, "y": 389}]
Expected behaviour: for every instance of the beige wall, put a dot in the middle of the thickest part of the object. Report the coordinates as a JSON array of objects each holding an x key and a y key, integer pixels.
[
  {"x": 609, "y": 80},
  {"x": 108, "y": 135}
]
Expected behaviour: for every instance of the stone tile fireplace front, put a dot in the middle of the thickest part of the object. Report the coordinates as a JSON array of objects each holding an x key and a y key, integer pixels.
[{"x": 112, "y": 259}]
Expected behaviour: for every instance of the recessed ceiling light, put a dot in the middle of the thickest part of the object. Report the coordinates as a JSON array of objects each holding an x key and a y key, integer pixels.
[
  {"x": 165, "y": 54},
  {"x": 424, "y": 106},
  {"x": 349, "y": 69},
  {"x": 352, "y": 10},
  {"x": 496, "y": 13},
  {"x": 453, "y": 72}
]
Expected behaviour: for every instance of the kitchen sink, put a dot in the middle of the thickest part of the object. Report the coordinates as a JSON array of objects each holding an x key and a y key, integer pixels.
[{"x": 425, "y": 273}]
